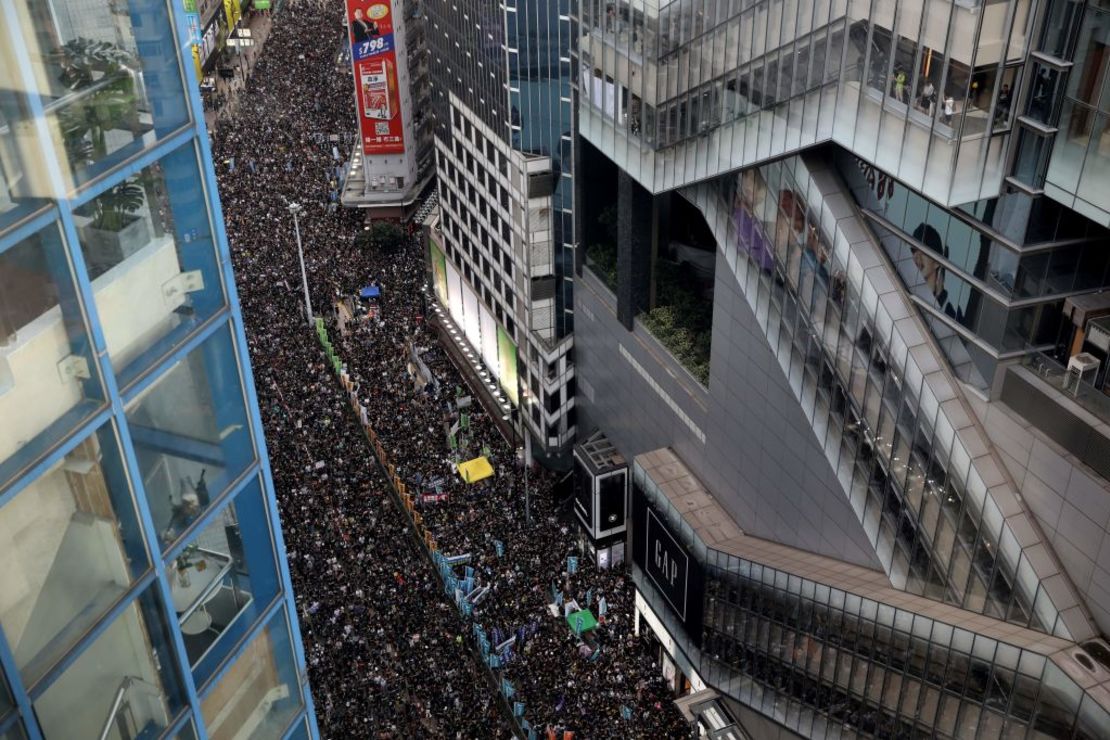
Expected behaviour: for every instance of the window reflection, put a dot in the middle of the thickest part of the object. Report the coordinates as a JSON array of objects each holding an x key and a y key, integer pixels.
[
  {"x": 218, "y": 577},
  {"x": 814, "y": 319},
  {"x": 150, "y": 254},
  {"x": 108, "y": 87},
  {"x": 259, "y": 694},
  {"x": 24, "y": 185},
  {"x": 123, "y": 686},
  {"x": 191, "y": 435},
  {"x": 72, "y": 543},
  {"x": 48, "y": 379}
]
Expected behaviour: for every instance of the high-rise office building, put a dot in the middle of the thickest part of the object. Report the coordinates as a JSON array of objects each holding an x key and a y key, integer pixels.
[
  {"x": 502, "y": 245},
  {"x": 145, "y": 591},
  {"x": 842, "y": 312}
]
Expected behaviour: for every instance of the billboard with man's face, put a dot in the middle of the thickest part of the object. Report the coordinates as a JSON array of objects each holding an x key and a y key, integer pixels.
[{"x": 374, "y": 62}]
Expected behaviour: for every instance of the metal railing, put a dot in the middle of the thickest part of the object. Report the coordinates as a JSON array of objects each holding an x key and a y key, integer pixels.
[
  {"x": 121, "y": 703},
  {"x": 1069, "y": 385}
]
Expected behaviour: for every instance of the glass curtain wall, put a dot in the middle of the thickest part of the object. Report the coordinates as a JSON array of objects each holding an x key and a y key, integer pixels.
[
  {"x": 135, "y": 512},
  {"x": 907, "y": 478},
  {"x": 684, "y": 90},
  {"x": 1080, "y": 164},
  {"x": 818, "y": 658}
]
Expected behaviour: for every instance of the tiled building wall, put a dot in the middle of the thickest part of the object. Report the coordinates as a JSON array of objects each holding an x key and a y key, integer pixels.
[
  {"x": 758, "y": 455},
  {"x": 1070, "y": 501}
]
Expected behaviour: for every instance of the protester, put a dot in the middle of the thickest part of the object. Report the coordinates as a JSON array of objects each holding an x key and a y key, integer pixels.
[{"x": 389, "y": 653}]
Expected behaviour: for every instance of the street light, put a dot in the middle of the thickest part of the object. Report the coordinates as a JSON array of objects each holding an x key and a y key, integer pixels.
[{"x": 296, "y": 208}]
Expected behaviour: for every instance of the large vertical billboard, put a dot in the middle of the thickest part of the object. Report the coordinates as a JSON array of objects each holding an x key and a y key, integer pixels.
[
  {"x": 374, "y": 62},
  {"x": 439, "y": 269}
]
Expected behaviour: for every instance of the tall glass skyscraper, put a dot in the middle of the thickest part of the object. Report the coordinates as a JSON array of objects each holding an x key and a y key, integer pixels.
[{"x": 144, "y": 591}]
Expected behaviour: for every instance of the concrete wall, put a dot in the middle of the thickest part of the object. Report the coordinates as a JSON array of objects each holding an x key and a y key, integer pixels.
[
  {"x": 745, "y": 437},
  {"x": 1069, "y": 500}
]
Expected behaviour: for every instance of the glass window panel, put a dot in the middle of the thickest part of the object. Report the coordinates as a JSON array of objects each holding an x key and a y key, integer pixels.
[
  {"x": 1045, "y": 93},
  {"x": 191, "y": 434},
  {"x": 48, "y": 378},
  {"x": 72, "y": 544},
  {"x": 1060, "y": 19},
  {"x": 223, "y": 577},
  {"x": 302, "y": 732},
  {"x": 24, "y": 183},
  {"x": 1094, "y": 184},
  {"x": 1057, "y": 703},
  {"x": 150, "y": 254},
  {"x": 187, "y": 732},
  {"x": 132, "y": 661},
  {"x": 259, "y": 694},
  {"x": 1092, "y": 57},
  {"x": 1031, "y": 160},
  {"x": 1076, "y": 124},
  {"x": 1093, "y": 720},
  {"x": 108, "y": 82}
]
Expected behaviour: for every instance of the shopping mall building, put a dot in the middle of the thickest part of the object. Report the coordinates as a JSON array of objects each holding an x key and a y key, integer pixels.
[{"x": 838, "y": 315}]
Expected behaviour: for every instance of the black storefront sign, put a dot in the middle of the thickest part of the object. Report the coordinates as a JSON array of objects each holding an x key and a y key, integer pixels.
[{"x": 670, "y": 567}]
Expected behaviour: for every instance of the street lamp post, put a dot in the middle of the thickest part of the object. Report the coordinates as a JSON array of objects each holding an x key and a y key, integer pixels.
[{"x": 295, "y": 208}]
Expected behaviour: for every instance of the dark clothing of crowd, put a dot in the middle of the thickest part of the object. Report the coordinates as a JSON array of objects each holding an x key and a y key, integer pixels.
[{"x": 389, "y": 654}]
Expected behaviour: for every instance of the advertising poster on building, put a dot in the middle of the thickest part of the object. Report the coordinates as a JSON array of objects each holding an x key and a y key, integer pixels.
[
  {"x": 439, "y": 270},
  {"x": 506, "y": 375},
  {"x": 374, "y": 59},
  {"x": 677, "y": 576}
]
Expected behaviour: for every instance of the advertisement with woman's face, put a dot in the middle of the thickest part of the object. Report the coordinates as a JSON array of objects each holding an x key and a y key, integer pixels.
[
  {"x": 747, "y": 203},
  {"x": 933, "y": 273}
]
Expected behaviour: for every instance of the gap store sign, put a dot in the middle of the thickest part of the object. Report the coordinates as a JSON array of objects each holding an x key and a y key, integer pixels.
[{"x": 668, "y": 565}]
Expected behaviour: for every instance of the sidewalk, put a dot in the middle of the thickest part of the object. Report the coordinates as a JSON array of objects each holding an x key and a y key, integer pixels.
[{"x": 259, "y": 25}]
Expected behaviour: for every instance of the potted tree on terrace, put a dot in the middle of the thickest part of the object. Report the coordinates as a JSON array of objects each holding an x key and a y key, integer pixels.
[
  {"x": 101, "y": 97},
  {"x": 114, "y": 231}
]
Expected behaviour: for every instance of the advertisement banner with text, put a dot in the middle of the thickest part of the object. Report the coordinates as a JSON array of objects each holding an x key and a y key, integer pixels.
[{"x": 374, "y": 59}]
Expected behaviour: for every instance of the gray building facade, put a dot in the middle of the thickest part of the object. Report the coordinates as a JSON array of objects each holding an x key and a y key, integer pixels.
[
  {"x": 840, "y": 304},
  {"x": 504, "y": 135}
]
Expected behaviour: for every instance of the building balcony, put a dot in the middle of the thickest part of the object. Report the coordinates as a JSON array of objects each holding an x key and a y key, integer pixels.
[{"x": 1069, "y": 410}]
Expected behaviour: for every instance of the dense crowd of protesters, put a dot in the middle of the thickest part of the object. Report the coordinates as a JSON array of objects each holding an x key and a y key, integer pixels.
[{"x": 389, "y": 653}]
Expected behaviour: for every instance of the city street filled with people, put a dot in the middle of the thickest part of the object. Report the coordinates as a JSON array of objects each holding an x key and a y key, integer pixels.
[{"x": 391, "y": 654}]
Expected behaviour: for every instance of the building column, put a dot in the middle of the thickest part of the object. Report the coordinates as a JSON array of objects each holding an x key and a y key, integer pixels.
[{"x": 637, "y": 227}]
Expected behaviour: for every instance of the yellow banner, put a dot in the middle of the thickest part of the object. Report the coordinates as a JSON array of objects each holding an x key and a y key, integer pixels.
[
  {"x": 233, "y": 13},
  {"x": 196, "y": 63}
]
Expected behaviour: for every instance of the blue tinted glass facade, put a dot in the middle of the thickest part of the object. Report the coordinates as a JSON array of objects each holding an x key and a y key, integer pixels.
[
  {"x": 146, "y": 592},
  {"x": 540, "y": 93}
]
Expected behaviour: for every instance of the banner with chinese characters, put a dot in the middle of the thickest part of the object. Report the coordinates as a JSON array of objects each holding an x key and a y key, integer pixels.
[{"x": 374, "y": 59}]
